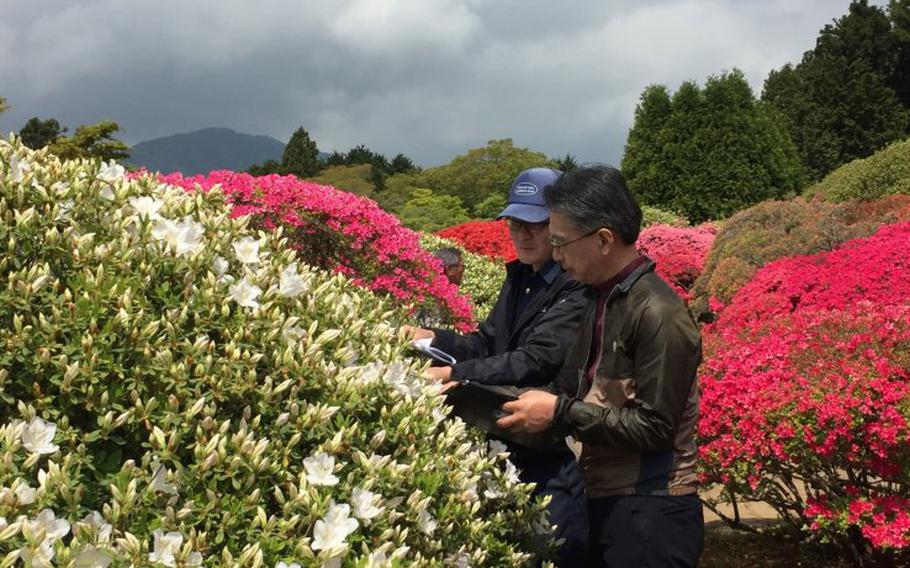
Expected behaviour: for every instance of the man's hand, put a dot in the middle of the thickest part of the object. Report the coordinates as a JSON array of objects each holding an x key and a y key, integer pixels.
[
  {"x": 447, "y": 386},
  {"x": 417, "y": 332},
  {"x": 439, "y": 374},
  {"x": 532, "y": 412}
]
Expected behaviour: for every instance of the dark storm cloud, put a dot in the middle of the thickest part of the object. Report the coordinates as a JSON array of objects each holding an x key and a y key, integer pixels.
[{"x": 430, "y": 78}]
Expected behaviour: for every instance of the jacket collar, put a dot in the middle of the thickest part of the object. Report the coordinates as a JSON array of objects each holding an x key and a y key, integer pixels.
[
  {"x": 627, "y": 282},
  {"x": 552, "y": 274},
  {"x": 549, "y": 271}
]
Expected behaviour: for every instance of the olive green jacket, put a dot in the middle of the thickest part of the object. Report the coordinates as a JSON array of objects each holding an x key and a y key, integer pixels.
[{"x": 636, "y": 422}]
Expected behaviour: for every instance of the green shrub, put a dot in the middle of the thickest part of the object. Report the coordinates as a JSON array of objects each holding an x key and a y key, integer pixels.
[
  {"x": 887, "y": 172},
  {"x": 177, "y": 390},
  {"x": 655, "y": 216}
]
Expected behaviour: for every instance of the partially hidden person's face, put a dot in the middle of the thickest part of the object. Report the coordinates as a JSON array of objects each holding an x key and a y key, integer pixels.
[
  {"x": 531, "y": 242},
  {"x": 581, "y": 254},
  {"x": 455, "y": 273}
]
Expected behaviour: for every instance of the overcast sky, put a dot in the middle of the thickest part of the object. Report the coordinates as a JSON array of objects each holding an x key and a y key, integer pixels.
[{"x": 429, "y": 78}]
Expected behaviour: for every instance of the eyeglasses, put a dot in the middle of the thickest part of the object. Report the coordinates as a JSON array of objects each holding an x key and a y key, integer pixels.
[
  {"x": 556, "y": 244},
  {"x": 516, "y": 225}
]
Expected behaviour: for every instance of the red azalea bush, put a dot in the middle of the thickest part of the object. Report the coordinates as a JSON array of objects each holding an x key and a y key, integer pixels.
[
  {"x": 679, "y": 252},
  {"x": 489, "y": 238},
  {"x": 806, "y": 392},
  {"x": 343, "y": 232},
  {"x": 772, "y": 230}
]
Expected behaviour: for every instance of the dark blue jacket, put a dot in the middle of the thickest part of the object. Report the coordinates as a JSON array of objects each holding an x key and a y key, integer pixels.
[{"x": 529, "y": 351}]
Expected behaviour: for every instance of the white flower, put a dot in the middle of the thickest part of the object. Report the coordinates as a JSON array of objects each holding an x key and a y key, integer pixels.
[
  {"x": 111, "y": 171},
  {"x": 438, "y": 416},
  {"x": 91, "y": 557},
  {"x": 364, "y": 504},
  {"x": 190, "y": 236},
  {"x": 17, "y": 168},
  {"x": 99, "y": 526},
  {"x": 372, "y": 372},
  {"x": 332, "y": 530},
  {"x": 320, "y": 469},
  {"x": 159, "y": 482},
  {"x": 3, "y": 524},
  {"x": 47, "y": 522},
  {"x": 183, "y": 237},
  {"x": 293, "y": 333},
  {"x": 107, "y": 193},
  {"x": 378, "y": 559},
  {"x": 402, "y": 382},
  {"x": 425, "y": 523},
  {"x": 494, "y": 491},
  {"x": 459, "y": 560},
  {"x": 469, "y": 493},
  {"x": 245, "y": 293},
  {"x": 60, "y": 187},
  {"x": 332, "y": 563},
  {"x": 25, "y": 493},
  {"x": 290, "y": 283},
  {"x": 38, "y": 436},
  {"x": 63, "y": 209},
  {"x": 39, "y": 557},
  {"x": 283, "y": 565},
  {"x": 497, "y": 448},
  {"x": 165, "y": 547},
  {"x": 220, "y": 265},
  {"x": 512, "y": 474},
  {"x": 246, "y": 250},
  {"x": 147, "y": 206}
]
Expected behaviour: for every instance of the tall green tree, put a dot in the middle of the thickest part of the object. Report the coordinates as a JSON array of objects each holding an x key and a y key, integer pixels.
[
  {"x": 899, "y": 13},
  {"x": 92, "y": 141},
  {"x": 474, "y": 176},
  {"x": 336, "y": 158},
  {"x": 39, "y": 133},
  {"x": 359, "y": 155},
  {"x": 567, "y": 163},
  {"x": 300, "y": 157},
  {"x": 707, "y": 153},
  {"x": 401, "y": 164},
  {"x": 645, "y": 144},
  {"x": 841, "y": 101}
]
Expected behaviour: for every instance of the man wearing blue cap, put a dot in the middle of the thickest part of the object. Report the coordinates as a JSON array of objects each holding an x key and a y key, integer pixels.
[{"x": 522, "y": 344}]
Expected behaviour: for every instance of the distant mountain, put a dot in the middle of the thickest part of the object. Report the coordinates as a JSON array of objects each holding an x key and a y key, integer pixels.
[{"x": 205, "y": 150}]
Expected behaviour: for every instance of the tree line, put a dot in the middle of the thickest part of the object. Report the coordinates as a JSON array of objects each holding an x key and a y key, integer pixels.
[{"x": 709, "y": 152}]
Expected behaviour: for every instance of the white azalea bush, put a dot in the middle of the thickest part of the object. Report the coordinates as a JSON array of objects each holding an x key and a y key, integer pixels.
[{"x": 178, "y": 391}]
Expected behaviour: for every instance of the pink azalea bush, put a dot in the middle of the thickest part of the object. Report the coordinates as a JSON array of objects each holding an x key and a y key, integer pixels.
[
  {"x": 343, "y": 232},
  {"x": 806, "y": 392},
  {"x": 679, "y": 252}
]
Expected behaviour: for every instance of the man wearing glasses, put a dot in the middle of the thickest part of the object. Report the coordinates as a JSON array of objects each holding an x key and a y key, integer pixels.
[
  {"x": 628, "y": 390},
  {"x": 522, "y": 343}
]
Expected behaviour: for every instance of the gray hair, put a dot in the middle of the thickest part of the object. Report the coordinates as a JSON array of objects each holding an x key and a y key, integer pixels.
[{"x": 450, "y": 256}]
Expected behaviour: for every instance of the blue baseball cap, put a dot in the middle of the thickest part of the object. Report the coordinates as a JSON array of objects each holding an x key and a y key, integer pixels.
[{"x": 526, "y": 195}]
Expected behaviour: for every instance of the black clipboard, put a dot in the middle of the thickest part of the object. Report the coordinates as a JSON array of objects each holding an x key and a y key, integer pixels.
[{"x": 481, "y": 406}]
